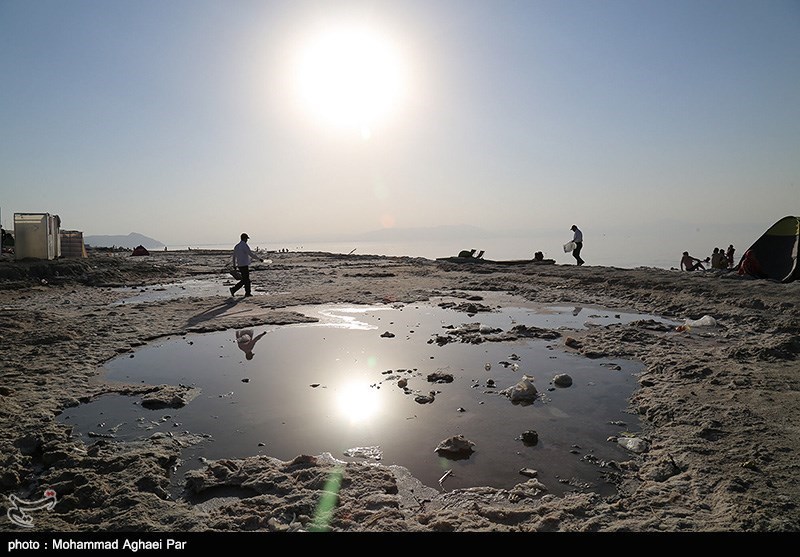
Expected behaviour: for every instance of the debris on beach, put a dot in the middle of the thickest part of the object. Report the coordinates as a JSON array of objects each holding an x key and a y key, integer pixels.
[
  {"x": 530, "y": 437},
  {"x": 633, "y": 444},
  {"x": 426, "y": 399},
  {"x": 529, "y": 472},
  {"x": 440, "y": 377},
  {"x": 101, "y": 435},
  {"x": 456, "y": 446},
  {"x": 468, "y": 308},
  {"x": 572, "y": 342},
  {"x": 524, "y": 391},
  {"x": 615, "y": 367},
  {"x": 562, "y": 380},
  {"x": 446, "y": 475}
]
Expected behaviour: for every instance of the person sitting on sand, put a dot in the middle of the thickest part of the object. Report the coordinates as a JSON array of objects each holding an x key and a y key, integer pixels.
[
  {"x": 749, "y": 266},
  {"x": 246, "y": 341},
  {"x": 716, "y": 258},
  {"x": 689, "y": 263}
]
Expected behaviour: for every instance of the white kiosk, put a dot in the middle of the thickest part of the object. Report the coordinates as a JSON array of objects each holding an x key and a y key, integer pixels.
[{"x": 37, "y": 236}]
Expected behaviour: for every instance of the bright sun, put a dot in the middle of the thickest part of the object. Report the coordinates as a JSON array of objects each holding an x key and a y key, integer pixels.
[
  {"x": 358, "y": 402},
  {"x": 351, "y": 78}
]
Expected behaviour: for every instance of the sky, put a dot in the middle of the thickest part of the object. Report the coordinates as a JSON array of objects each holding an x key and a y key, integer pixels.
[{"x": 191, "y": 121}]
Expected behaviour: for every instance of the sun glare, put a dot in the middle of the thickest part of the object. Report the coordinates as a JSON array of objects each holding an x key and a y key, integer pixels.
[
  {"x": 351, "y": 78},
  {"x": 358, "y": 402}
]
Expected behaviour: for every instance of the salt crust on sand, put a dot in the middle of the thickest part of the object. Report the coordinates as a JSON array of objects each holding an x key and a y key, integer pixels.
[{"x": 720, "y": 406}]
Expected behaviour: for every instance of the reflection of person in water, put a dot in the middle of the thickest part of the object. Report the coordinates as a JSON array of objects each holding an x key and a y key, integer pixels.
[{"x": 246, "y": 340}]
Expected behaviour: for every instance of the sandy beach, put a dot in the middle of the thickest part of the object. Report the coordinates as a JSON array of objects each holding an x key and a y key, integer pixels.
[{"x": 719, "y": 405}]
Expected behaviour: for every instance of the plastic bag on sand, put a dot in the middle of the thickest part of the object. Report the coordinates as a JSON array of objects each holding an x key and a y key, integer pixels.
[{"x": 705, "y": 321}]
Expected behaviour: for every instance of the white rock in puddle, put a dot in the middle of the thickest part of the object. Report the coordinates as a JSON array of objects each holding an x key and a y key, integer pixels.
[
  {"x": 522, "y": 391},
  {"x": 456, "y": 445},
  {"x": 633, "y": 444}
]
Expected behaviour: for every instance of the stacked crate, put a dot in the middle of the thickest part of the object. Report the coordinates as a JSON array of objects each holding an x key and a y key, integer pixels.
[{"x": 72, "y": 244}]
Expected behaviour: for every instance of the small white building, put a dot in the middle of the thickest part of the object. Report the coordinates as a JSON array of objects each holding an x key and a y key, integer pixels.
[{"x": 37, "y": 236}]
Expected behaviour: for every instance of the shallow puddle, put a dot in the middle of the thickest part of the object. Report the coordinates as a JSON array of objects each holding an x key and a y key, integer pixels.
[
  {"x": 333, "y": 386},
  {"x": 200, "y": 287}
]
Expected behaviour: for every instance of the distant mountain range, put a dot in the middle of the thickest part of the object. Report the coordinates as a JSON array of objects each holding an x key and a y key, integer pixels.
[{"x": 131, "y": 241}]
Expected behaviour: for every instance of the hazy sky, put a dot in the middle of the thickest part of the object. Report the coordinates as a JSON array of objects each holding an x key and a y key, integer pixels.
[{"x": 193, "y": 120}]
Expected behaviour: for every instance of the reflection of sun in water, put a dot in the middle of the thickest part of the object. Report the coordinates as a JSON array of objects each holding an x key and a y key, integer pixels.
[
  {"x": 350, "y": 78},
  {"x": 358, "y": 402}
]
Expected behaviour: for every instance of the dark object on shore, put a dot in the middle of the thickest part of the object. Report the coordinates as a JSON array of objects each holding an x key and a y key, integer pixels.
[
  {"x": 530, "y": 437},
  {"x": 470, "y": 254},
  {"x": 6, "y": 241},
  {"x": 774, "y": 254},
  {"x": 140, "y": 250},
  {"x": 481, "y": 260}
]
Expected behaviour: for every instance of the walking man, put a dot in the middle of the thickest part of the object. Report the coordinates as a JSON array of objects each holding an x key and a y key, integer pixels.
[
  {"x": 577, "y": 238},
  {"x": 242, "y": 255}
]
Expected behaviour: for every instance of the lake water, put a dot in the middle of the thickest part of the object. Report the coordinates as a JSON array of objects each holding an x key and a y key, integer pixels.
[{"x": 333, "y": 387}]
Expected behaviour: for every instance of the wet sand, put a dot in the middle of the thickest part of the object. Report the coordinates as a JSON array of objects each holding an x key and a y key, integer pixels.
[{"x": 719, "y": 405}]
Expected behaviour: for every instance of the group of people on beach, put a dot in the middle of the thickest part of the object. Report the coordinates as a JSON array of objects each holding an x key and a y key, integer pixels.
[{"x": 720, "y": 259}]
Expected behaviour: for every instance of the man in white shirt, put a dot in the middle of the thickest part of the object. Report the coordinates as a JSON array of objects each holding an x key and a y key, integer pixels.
[
  {"x": 242, "y": 255},
  {"x": 578, "y": 240},
  {"x": 246, "y": 340}
]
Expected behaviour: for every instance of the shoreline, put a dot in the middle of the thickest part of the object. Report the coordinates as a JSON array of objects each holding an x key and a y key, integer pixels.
[{"x": 719, "y": 406}]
